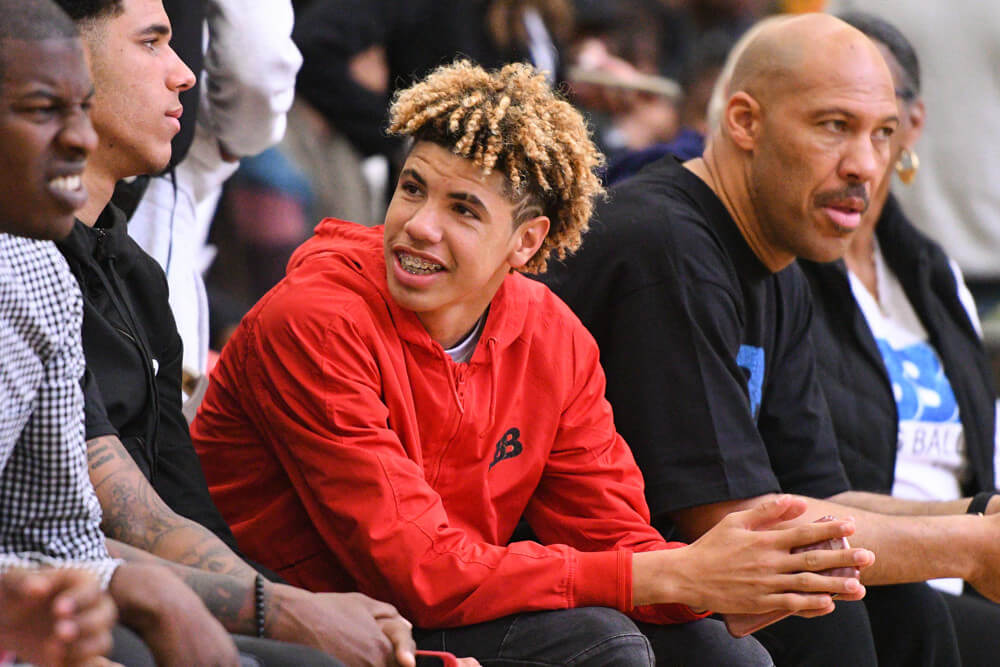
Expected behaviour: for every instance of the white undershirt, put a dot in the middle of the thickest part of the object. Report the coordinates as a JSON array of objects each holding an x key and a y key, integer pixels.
[
  {"x": 462, "y": 351},
  {"x": 931, "y": 460}
]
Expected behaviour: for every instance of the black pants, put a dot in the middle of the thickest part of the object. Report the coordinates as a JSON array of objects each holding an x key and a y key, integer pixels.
[
  {"x": 906, "y": 625},
  {"x": 977, "y": 624},
  {"x": 128, "y": 649},
  {"x": 593, "y": 636},
  {"x": 256, "y": 652},
  {"x": 131, "y": 651},
  {"x": 843, "y": 637},
  {"x": 912, "y": 626}
]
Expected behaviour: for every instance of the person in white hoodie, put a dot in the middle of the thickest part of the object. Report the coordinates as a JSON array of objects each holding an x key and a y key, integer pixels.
[{"x": 242, "y": 103}]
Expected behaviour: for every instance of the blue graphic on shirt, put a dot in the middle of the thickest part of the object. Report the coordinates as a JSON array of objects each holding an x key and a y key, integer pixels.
[
  {"x": 751, "y": 360},
  {"x": 919, "y": 384}
]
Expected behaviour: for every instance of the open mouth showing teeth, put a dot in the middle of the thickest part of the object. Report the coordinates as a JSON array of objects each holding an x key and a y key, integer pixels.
[
  {"x": 418, "y": 265},
  {"x": 67, "y": 183}
]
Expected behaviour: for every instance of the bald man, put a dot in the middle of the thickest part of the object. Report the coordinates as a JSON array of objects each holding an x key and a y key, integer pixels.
[{"x": 688, "y": 284}]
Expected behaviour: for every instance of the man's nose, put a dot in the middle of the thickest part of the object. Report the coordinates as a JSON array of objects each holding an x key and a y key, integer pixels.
[
  {"x": 423, "y": 225},
  {"x": 179, "y": 76},
  {"x": 865, "y": 160}
]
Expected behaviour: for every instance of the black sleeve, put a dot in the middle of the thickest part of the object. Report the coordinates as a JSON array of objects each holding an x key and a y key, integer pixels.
[
  {"x": 179, "y": 479},
  {"x": 95, "y": 416},
  {"x": 794, "y": 418},
  {"x": 668, "y": 323}
]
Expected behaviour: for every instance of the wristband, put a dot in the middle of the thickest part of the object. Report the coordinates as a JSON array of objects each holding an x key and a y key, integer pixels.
[
  {"x": 979, "y": 502},
  {"x": 258, "y": 603}
]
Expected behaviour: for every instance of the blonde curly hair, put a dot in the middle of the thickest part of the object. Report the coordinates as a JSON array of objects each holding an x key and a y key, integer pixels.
[{"x": 511, "y": 120}]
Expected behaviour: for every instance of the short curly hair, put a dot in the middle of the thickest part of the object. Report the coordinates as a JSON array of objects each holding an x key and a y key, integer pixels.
[{"x": 512, "y": 121}]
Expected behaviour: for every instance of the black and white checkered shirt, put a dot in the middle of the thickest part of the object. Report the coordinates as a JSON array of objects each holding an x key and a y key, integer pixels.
[{"x": 49, "y": 513}]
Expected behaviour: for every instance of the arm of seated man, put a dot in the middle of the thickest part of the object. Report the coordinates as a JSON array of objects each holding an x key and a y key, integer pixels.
[
  {"x": 907, "y": 548},
  {"x": 884, "y": 504},
  {"x": 745, "y": 562},
  {"x": 133, "y": 513},
  {"x": 353, "y": 627},
  {"x": 349, "y": 626},
  {"x": 169, "y": 617}
]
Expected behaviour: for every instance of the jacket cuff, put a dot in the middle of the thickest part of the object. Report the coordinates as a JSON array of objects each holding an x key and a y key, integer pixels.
[{"x": 603, "y": 579}]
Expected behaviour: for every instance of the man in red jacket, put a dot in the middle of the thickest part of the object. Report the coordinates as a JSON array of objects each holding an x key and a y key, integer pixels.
[{"x": 384, "y": 418}]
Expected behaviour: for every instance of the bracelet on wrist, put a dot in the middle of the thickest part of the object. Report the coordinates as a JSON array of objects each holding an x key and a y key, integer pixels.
[
  {"x": 258, "y": 604},
  {"x": 979, "y": 502}
]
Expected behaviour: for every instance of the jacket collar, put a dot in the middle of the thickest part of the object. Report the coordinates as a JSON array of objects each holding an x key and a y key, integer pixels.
[
  {"x": 504, "y": 321},
  {"x": 105, "y": 240},
  {"x": 921, "y": 267}
]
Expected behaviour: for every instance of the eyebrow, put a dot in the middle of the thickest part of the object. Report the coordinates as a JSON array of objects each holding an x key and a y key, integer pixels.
[
  {"x": 839, "y": 111},
  {"x": 160, "y": 29},
  {"x": 49, "y": 94},
  {"x": 412, "y": 173},
  {"x": 469, "y": 198},
  {"x": 460, "y": 196}
]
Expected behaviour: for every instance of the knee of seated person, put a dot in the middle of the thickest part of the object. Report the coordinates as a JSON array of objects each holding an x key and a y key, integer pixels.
[
  {"x": 604, "y": 636},
  {"x": 704, "y": 642}
]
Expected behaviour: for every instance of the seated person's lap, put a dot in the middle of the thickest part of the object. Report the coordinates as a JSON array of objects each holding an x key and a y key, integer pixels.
[{"x": 594, "y": 636}]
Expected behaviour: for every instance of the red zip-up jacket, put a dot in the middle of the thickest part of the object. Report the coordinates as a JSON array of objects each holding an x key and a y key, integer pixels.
[{"x": 349, "y": 452}]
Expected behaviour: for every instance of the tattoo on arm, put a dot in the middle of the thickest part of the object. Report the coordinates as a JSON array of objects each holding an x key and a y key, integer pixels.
[
  {"x": 230, "y": 599},
  {"x": 101, "y": 451},
  {"x": 136, "y": 515}
]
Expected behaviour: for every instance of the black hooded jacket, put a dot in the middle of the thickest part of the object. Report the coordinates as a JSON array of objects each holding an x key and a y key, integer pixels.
[{"x": 133, "y": 352}]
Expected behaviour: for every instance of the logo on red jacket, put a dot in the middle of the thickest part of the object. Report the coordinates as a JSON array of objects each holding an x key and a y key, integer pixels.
[{"x": 508, "y": 446}]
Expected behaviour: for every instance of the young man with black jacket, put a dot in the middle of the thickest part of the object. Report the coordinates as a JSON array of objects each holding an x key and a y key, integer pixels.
[
  {"x": 142, "y": 465},
  {"x": 63, "y": 609}
]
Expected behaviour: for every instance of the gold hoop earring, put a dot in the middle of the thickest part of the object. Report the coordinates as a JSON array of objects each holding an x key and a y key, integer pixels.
[{"x": 907, "y": 165}]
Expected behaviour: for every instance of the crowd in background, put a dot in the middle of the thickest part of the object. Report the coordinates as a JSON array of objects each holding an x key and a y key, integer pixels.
[
  {"x": 641, "y": 70},
  {"x": 285, "y": 123}
]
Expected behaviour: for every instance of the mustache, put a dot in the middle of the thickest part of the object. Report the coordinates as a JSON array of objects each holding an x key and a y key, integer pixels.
[{"x": 852, "y": 191}]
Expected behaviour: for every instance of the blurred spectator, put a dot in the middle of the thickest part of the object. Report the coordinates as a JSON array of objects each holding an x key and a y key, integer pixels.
[
  {"x": 239, "y": 111},
  {"x": 623, "y": 56},
  {"x": 955, "y": 200},
  {"x": 356, "y": 54},
  {"x": 697, "y": 81},
  {"x": 629, "y": 108},
  {"x": 682, "y": 24}
]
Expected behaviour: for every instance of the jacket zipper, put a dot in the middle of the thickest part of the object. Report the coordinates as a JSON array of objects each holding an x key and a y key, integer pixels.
[{"x": 115, "y": 291}]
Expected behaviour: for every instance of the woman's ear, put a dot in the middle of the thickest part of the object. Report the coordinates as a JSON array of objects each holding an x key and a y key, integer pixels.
[{"x": 915, "y": 115}]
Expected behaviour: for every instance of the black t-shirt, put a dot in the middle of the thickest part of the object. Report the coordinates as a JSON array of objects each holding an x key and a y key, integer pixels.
[{"x": 710, "y": 371}]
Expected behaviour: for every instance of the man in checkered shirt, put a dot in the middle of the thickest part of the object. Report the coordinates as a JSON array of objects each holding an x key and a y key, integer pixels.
[
  {"x": 50, "y": 511},
  {"x": 54, "y": 563}
]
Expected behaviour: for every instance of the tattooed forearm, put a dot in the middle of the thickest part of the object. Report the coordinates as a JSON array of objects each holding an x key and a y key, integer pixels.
[
  {"x": 102, "y": 451},
  {"x": 144, "y": 528},
  {"x": 228, "y": 598},
  {"x": 136, "y": 515}
]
